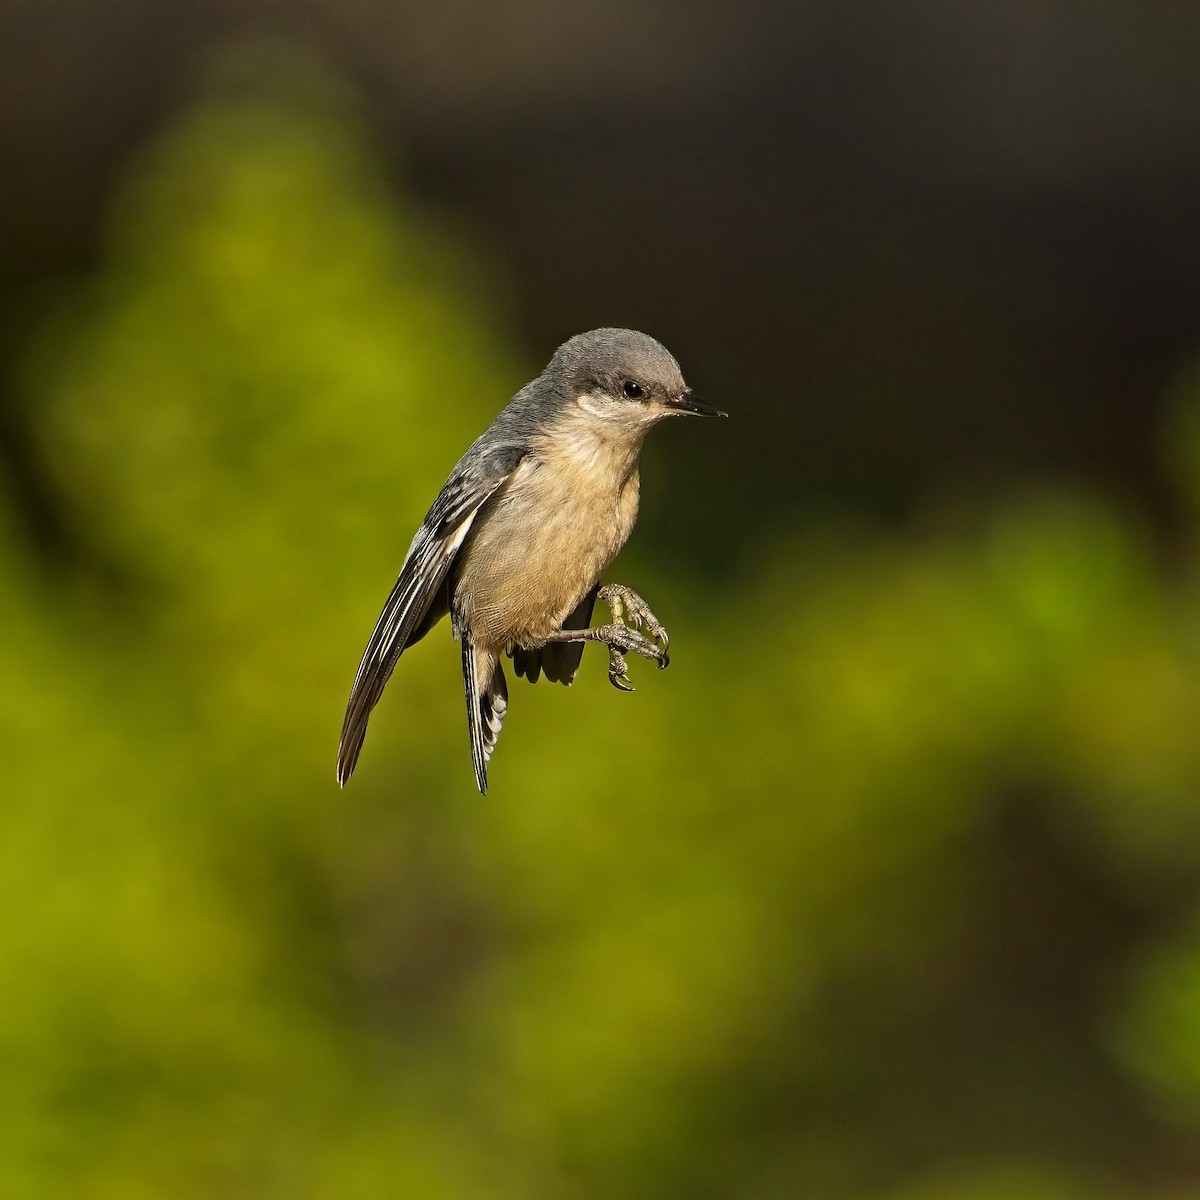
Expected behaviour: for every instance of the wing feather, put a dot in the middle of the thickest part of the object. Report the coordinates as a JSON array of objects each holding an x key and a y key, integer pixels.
[{"x": 425, "y": 568}]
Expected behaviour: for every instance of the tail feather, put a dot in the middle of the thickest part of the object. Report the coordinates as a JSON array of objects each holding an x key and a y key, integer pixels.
[{"x": 487, "y": 702}]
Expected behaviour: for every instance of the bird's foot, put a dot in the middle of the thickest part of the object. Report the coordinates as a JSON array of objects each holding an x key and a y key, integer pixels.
[
  {"x": 622, "y": 640},
  {"x": 623, "y": 635},
  {"x": 629, "y": 609}
]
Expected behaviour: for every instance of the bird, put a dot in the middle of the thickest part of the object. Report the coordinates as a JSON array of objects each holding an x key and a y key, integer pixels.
[{"x": 514, "y": 547}]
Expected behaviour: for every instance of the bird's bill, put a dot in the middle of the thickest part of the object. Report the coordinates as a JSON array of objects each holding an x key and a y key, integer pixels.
[{"x": 687, "y": 403}]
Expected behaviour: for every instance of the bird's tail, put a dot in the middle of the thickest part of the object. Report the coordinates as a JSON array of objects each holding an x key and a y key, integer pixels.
[{"x": 487, "y": 702}]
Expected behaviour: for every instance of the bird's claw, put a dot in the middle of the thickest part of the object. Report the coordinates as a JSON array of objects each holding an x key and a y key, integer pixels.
[
  {"x": 622, "y": 640},
  {"x": 618, "y": 671},
  {"x": 630, "y": 610}
]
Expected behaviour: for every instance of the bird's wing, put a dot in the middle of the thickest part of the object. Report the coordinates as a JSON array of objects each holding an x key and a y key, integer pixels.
[{"x": 473, "y": 481}]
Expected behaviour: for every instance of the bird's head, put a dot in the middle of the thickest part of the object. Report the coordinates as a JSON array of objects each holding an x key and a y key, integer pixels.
[{"x": 624, "y": 377}]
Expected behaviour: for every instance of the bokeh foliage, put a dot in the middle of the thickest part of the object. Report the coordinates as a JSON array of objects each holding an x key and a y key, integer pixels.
[{"x": 734, "y": 936}]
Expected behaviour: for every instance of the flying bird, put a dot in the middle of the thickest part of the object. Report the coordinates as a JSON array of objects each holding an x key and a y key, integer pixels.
[{"x": 514, "y": 546}]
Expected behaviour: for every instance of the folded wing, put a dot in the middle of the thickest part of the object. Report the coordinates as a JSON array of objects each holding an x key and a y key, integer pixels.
[{"x": 429, "y": 560}]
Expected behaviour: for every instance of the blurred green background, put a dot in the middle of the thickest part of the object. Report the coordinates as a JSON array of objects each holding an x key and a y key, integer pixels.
[{"x": 891, "y": 890}]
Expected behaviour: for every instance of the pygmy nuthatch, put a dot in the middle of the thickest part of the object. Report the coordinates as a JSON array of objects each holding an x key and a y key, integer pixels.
[{"x": 530, "y": 518}]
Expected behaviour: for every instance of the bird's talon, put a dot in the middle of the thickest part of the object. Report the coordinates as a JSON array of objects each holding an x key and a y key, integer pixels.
[{"x": 618, "y": 671}]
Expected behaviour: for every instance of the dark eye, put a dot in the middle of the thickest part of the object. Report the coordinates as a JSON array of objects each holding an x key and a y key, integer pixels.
[{"x": 632, "y": 390}]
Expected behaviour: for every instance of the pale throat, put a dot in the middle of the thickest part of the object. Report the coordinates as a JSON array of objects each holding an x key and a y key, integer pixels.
[{"x": 597, "y": 440}]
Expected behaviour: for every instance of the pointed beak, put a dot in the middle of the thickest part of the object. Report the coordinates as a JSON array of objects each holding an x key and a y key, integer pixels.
[{"x": 687, "y": 403}]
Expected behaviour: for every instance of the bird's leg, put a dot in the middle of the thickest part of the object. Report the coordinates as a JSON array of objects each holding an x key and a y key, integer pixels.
[{"x": 620, "y": 639}]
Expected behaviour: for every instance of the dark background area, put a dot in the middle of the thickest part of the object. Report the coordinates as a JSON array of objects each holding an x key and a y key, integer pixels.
[{"x": 927, "y": 246}]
